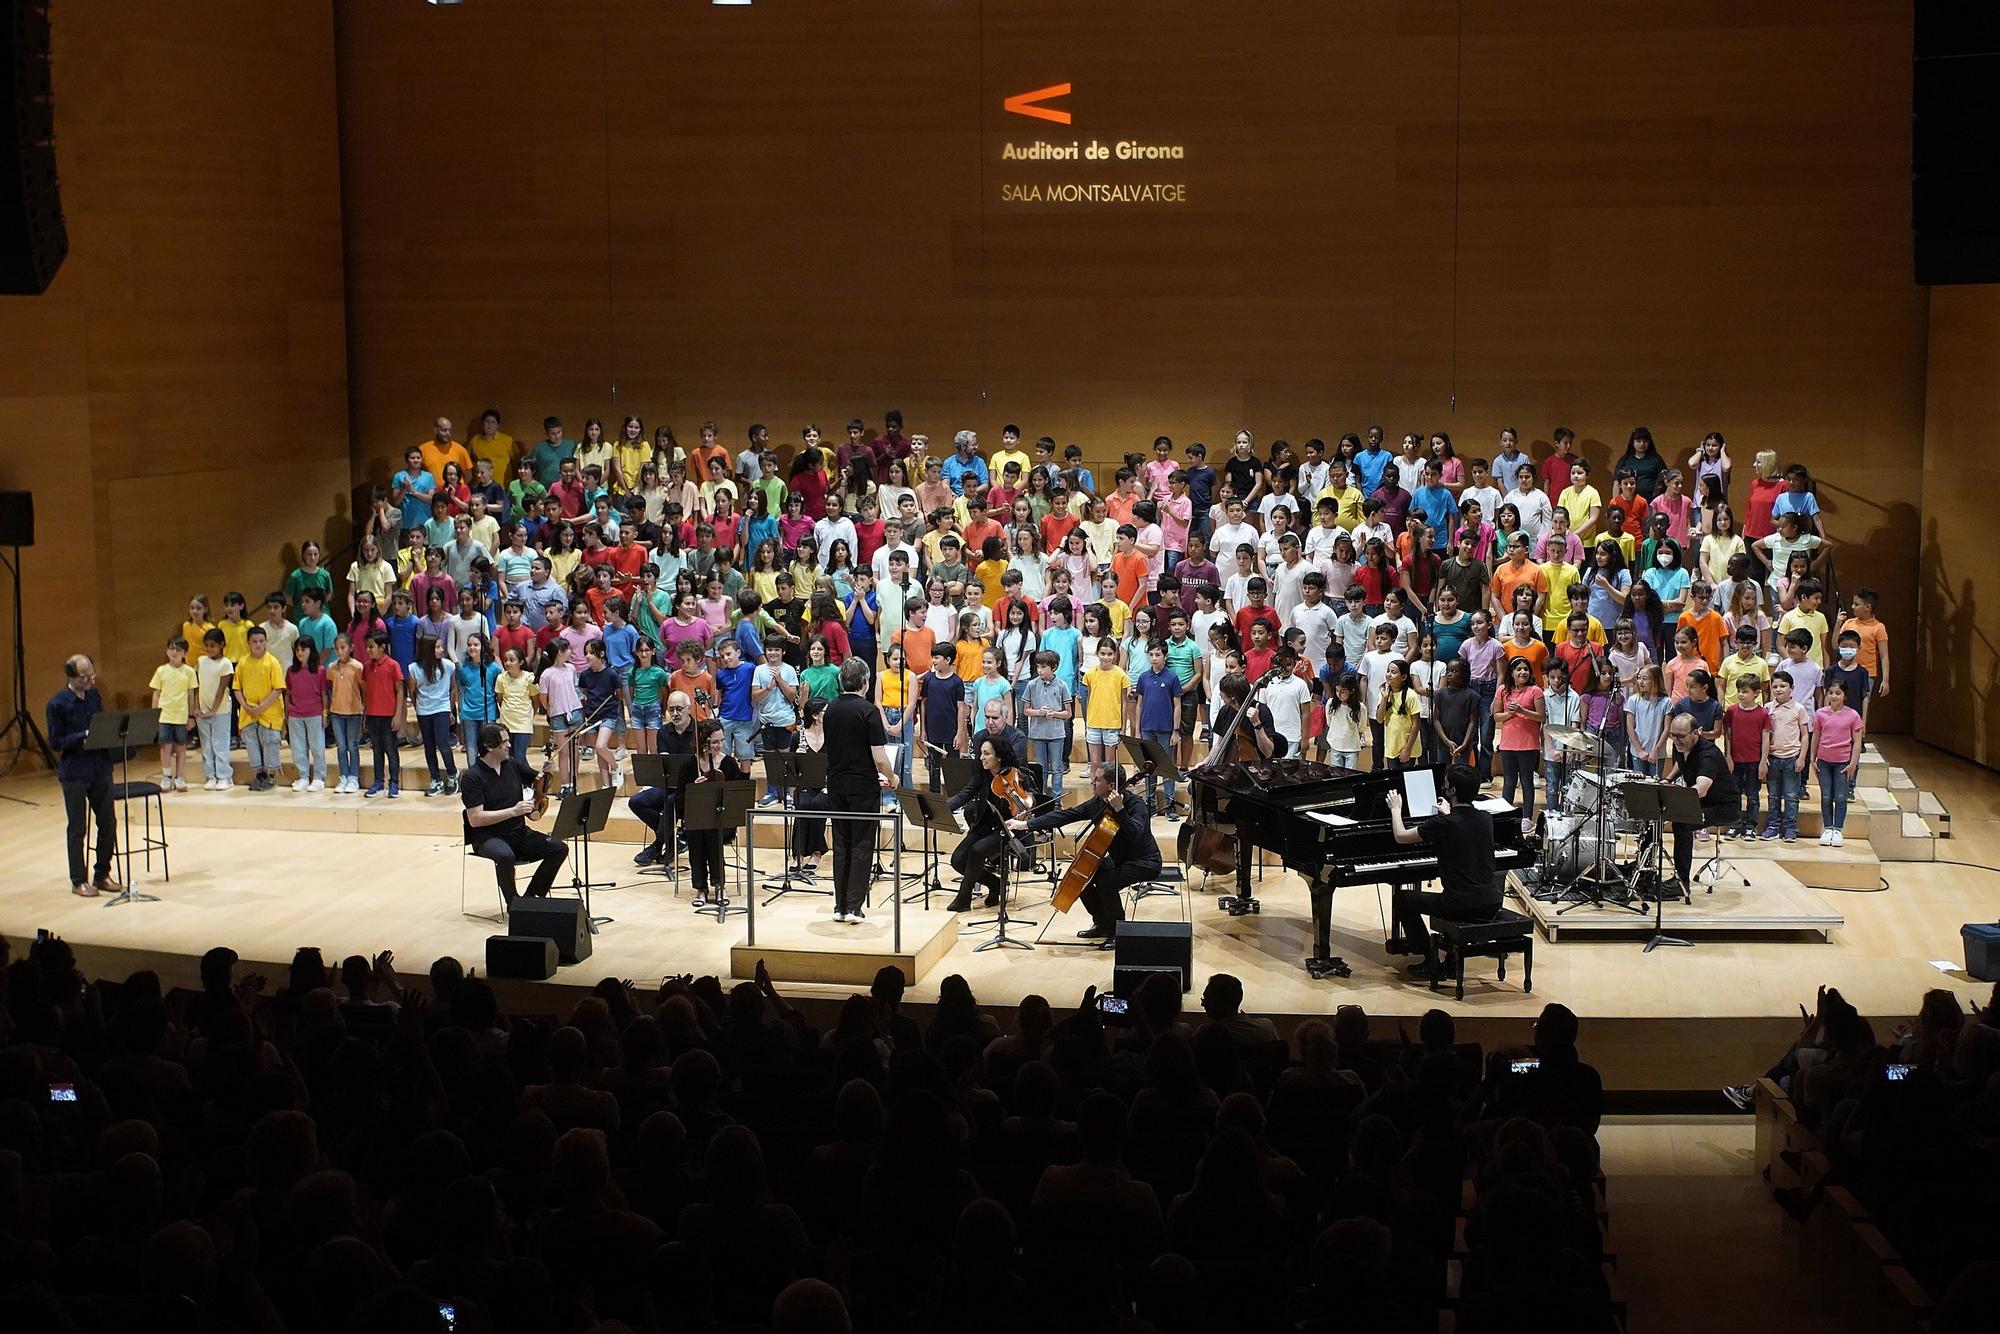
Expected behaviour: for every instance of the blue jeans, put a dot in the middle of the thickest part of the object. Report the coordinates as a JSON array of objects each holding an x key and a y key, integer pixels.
[
  {"x": 1748, "y": 787},
  {"x": 309, "y": 746},
  {"x": 739, "y": 738},
  {"x": 1552, "y": 780},
  {"x": 1345, "y": 759},
  {"x": 1782, "y": 790},
  {"x": 1166, "y": 743},
  {"x": 1833, "y": 793},
  {"x": 902, "y": 726},
  {"x": 1048, "y": 752},
  {"x": 435, "y": 728},
  {"x": 215, "y": 746},
  {"x": 347, "y": 744}
]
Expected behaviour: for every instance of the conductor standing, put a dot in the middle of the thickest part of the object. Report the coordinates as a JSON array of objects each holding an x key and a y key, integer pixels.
[{"x": 85, "y": 775}]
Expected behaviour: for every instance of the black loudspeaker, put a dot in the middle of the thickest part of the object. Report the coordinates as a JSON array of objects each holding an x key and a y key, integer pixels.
[
  {"x": 17, "y": 518},
  {"x": 1155, "y": 945},
  {"x": 33, "y": 239},
  {"x": 561, "y": 920},
  {"x": 1955, "y": 143},
  {"x": 530, "y": 957}
]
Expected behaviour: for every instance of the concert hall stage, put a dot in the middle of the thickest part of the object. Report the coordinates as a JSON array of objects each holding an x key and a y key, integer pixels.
[{"x": 270, "y": 872}]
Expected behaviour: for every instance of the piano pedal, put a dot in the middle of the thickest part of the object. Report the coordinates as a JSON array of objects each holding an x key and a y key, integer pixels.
[
  {"x": 1321, "y": 969},
  {"x": 1240, "y": 907}
]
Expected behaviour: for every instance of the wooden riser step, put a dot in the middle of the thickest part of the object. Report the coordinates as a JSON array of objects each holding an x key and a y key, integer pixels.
[{"x": 1900, "y": 836}]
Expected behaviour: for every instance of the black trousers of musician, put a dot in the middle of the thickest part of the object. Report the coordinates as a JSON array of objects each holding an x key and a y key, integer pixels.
[
  {"x": 1100, "y": 897},
  {"x": 1684, "y": 840},
  {"x": 655, "y": 809},
  {"x": 977, "y": 861},
  {"x": 705, "y": 861},
  {"x": 1409, "y": 909},
  {"x": 808, "y": 836},
  {"x": 853, "y": 848},
  {"x": 83, "y": 800},
  {"x": 507, "y": 851}
]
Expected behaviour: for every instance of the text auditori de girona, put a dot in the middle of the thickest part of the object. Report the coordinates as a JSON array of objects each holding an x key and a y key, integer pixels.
[{"x": 1093, "y": 192}]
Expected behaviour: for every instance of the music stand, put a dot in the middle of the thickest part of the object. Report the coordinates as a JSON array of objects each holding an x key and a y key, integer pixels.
[
  {"x": 1660, "y": 804},
  {"x": 577, "y": 819},
  {"x": 793, "y": 771},
  {"x": 722, "y": 807},
  {"x": 932, "y": 813},
  {"x": 669, "y": 773},
  {"x": 124, "y": 732},
  {"x": 958, "y": 771}
]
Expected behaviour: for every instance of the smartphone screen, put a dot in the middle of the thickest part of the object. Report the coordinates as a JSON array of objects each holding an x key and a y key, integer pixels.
[
  {"x": 62, "y": 1093},
  {"x": 1523, "y": 1066},
  {"x": 449, "y": 1314},
  {"x": 1111, "y": 1004},
  {"x": 1897, "y": 1073}
]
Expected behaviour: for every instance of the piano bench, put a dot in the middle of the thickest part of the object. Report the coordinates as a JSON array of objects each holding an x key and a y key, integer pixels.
[{"x": 1508, "y": 933}]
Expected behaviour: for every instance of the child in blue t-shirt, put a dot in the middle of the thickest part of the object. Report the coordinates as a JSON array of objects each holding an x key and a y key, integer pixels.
[
  {"x": 739, "y": 720},
  {"x": 403, "y": 623},
  {"x": 1158, "y": 690}
]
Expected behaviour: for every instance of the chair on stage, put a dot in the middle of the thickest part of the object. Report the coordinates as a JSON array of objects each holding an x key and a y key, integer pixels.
[{"x": 152, "y": 806}]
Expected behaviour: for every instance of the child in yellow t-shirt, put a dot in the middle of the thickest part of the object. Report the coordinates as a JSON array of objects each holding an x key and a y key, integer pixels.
[
  {"x": 1104, "y": 714},
  {"x": 1559, "y": 576},
  {"x": 197, "y": 625},
  {"x": 173, "y": 686},
  {"x": 260, "y": 695}
]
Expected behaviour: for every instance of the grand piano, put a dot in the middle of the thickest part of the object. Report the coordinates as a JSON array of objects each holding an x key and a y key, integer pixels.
[{"x": 1330, "y": 825}]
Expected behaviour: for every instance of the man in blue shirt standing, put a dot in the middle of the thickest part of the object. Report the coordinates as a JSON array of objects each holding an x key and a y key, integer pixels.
[
  {"x": 964, "y": 462},
  {"x": 85, "y": 775}
]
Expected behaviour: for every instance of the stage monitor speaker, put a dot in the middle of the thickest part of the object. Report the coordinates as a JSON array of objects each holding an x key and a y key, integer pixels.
[
  {"x": 1155, "y": 945},
  {"x": 561, "y": 920},
  {"x": 1955, "y": 143},
  {"x": 17, "y": 518},
  {"x": 33, "y": 239},
  {"x": 530, "y": 957}
]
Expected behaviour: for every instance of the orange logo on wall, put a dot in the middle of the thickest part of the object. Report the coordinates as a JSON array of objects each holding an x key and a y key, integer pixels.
[{"x": 1027, "y": 104}]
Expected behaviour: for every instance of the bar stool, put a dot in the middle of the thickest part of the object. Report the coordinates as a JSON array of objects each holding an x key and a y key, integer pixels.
[{"x": 151, "y": 804}]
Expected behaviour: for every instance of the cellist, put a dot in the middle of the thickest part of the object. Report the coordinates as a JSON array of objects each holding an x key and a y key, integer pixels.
[{"x": 1133, "y": 855}]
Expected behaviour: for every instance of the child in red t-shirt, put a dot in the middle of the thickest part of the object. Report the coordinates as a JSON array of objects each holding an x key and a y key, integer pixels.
[
  {"x": 1747, "y": 723},
  {"x": 383, "y": 702}
]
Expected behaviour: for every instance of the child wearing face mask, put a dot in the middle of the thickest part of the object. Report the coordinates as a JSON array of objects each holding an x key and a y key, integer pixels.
[{"x": 1847, "y": 669}]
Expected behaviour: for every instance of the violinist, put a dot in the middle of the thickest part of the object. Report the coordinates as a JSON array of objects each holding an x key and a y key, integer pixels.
[
  {"x": 704, "y": 846},
  {"x": 500, "y": 797},
  {"x": 977, "y": 856},
  {"x": 1134, "y": 854}
]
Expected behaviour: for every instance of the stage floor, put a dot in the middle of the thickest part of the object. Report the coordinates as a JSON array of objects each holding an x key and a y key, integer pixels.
[{"x": 265, "y": 889}]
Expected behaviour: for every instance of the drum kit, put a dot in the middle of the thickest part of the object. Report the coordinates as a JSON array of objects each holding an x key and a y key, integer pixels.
[{"x": 1582, "y": 826}]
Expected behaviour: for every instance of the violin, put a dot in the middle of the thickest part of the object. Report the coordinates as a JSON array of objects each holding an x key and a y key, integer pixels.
[
  {"x": 1011, "y": 794},
  {"x": 544, "y": 780}
]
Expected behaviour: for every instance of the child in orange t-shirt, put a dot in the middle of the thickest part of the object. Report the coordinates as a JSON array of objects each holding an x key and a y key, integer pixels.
[
  {"x": 1129, "y": 565},
  {"x": 694, "y": 680},
  {"x": 1711, "y": 631},
  {"x": 1874, "y": 655}
]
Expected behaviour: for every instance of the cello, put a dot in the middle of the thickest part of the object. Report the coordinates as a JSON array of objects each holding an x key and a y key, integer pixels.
[{"x": 1090, "y": 853}]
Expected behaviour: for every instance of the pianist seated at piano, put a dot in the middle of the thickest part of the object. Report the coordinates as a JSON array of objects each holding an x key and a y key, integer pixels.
[
  {"x": 1461, "y": 836},
  {"x": 1134, "y": 855}
]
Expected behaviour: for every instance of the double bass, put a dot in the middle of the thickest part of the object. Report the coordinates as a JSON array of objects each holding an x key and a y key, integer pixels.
[{"x": 1215, "y": 850}]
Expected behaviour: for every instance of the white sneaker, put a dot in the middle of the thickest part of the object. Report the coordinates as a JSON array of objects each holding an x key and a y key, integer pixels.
[
  {"x": 301, "y": 783},
  {"x": 1826, "y": 838},
  {"x": 317, "y": 785},
  {"x": 840, "y": 917},
  {"x": 1839, "y": 839}
]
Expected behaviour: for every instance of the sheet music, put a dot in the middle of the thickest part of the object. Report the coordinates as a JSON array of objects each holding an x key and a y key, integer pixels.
[
  {"x": 1330, "y": 819},
  {"x": 1492, "y": 806},
  {"x": 1419, "y": 795}
]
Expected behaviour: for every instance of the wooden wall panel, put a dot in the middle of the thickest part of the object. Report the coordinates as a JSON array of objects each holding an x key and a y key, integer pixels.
[
  {"x": 178, "y": 399},
  {"x": 1693, "y": 217},
  {"x": 1953, "y": 666}
]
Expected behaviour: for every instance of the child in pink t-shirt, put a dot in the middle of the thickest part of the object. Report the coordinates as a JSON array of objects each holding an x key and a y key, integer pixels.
[{"x": 1836, "y": 751}]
